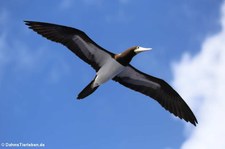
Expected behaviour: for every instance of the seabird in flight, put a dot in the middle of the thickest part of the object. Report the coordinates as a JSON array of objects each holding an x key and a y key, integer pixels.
[{"x": 114, "y": 66}]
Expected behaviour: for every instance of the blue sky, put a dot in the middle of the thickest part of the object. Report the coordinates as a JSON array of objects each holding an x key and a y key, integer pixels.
[{"x": 39, "y": 79}]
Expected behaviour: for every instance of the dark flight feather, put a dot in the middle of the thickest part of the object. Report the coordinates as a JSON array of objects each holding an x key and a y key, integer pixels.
[
  {"x": 157, "y": 89},
  {"x": 77, "y": 41}
]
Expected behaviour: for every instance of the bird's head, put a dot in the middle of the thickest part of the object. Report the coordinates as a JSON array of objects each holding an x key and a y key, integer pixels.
[
  {"x": 138, "y": 49},
  {"x": 125, "y": 57}
]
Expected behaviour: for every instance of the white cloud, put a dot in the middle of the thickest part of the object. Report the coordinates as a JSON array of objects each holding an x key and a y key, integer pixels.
[{"x": 200, "y": 79}]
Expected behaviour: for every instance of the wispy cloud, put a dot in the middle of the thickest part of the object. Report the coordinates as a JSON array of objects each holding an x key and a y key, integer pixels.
[
  {"x": 121, "y": 14},
  {"x": 12, "y": 50},
  {"x": 68, "y": 4},
  {"x": 3, "y": 46},
  {"x": 3, "y": 57},
  {"x": 94, "y": 2},
  {"x": 118, "y": 16},
  {"x": 200, "y": 79},
  {"x": 3, "y": 17},
  {"x": 18, "y": 57},
  {"x": 65, "y": 4},
  {"x": 124, "y": 1}
]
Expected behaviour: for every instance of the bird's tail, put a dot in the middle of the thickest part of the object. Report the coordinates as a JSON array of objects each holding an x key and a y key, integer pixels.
[{"x": 87, "y": 90}]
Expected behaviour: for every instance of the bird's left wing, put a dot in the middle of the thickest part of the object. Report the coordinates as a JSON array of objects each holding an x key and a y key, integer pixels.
[
  {"x": 76, "y": 40},
  {"x": 158, "y": 90}
]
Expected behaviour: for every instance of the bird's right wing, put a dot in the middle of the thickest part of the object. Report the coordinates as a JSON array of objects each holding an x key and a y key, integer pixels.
[
  {"x": 76, "y": 40},
  {"x": 157, "y": 89}
]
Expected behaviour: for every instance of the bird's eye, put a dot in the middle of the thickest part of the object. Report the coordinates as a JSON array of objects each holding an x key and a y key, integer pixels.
[{"x": 138, "y": 47}]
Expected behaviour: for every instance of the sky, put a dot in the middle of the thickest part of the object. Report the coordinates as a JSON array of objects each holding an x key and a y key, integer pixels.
[{"x": 40, "y": 79}]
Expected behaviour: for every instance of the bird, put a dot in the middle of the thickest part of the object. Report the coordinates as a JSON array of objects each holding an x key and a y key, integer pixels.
[{"x": 116, "y": 67}]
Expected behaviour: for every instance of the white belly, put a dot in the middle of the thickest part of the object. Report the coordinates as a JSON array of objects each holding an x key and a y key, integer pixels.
[{"x": 108, "y": 71}]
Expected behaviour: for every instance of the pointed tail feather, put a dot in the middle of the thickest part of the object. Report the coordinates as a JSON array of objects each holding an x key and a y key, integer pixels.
[{"x": 87, "y": 90}]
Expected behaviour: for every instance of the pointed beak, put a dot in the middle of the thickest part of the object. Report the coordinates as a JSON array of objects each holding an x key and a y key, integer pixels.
[{"x": 142, "y": 49}]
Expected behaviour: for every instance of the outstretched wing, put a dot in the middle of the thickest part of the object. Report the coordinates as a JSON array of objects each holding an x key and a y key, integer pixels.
[
  {"x": 158, "y": 90},
  {"x": 77, "y": 41}
]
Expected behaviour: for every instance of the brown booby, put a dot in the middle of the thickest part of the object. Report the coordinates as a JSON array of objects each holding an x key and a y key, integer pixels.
[{"x": 114, "y": 66}]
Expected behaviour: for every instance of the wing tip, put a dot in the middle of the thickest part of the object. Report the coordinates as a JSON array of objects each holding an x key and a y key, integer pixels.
[
  {"x": 191, "y": 117},
  {"x": 36, "y": 23},
  {"x": 28, "y": 22},
  {"x": 194, "y": 122}
]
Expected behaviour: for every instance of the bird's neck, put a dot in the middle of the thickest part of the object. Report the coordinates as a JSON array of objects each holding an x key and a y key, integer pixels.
[{"x": 125, "y": 57}]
